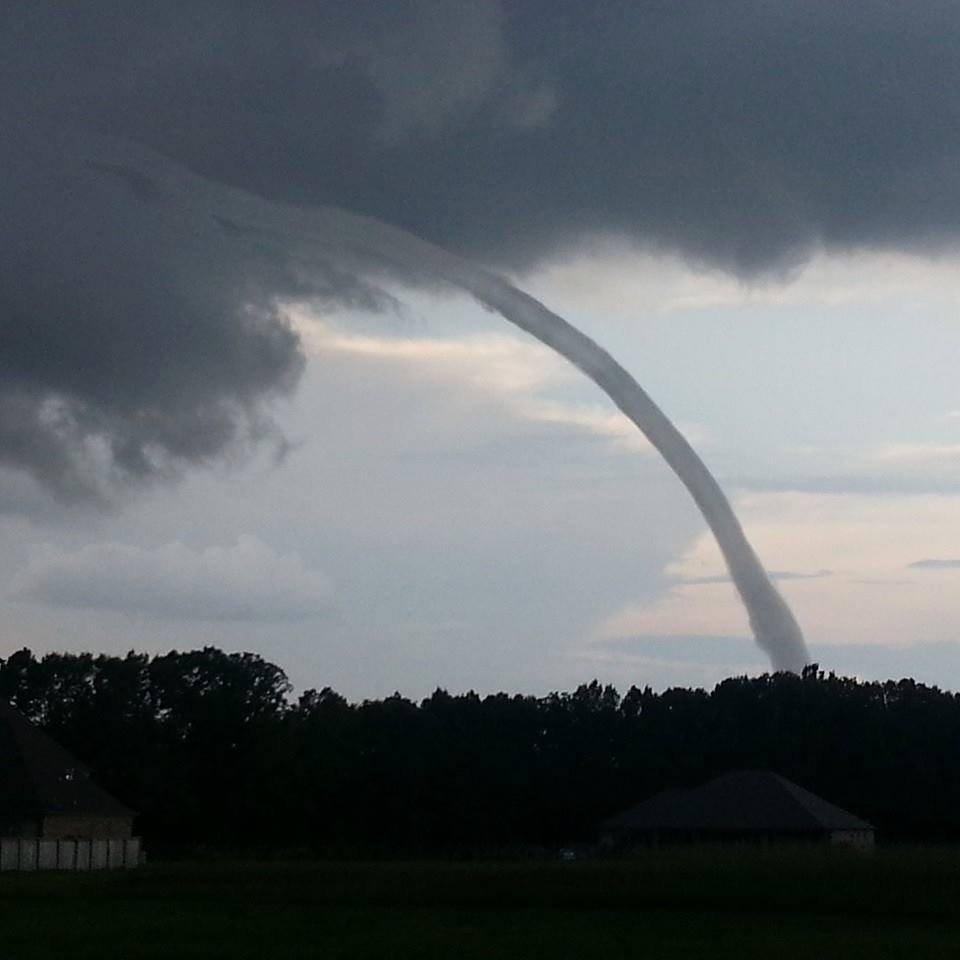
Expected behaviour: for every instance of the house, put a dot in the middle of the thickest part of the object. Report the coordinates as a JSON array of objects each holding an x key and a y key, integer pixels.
[
  {"x": 52, "y": 814},
  {"x": 745, "y": 805}
]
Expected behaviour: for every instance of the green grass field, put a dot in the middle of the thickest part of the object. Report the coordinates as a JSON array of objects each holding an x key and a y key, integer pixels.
[{"x": 696, "y": 903}]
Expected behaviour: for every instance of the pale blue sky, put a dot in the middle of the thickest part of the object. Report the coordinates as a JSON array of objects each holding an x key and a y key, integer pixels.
[{"x": 461, "y": 509}]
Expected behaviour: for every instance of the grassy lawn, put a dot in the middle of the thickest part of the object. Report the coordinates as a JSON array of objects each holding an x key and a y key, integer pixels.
[{"x": 716, "y": 904}]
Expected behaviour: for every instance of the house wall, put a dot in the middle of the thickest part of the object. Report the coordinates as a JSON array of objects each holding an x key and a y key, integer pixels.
[{"x": 87, "y": 828}]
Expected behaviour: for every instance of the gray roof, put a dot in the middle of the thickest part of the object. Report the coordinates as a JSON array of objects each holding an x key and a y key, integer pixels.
[
  {"x": 746, "y": 801},
  {"x": 39, "y": 778}
]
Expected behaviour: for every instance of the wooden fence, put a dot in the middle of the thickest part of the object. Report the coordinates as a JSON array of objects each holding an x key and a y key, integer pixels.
[{"x": 31, "y": 854}]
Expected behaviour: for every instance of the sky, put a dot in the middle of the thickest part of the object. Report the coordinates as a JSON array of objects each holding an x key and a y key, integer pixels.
[{"x": 210, "y": 435}]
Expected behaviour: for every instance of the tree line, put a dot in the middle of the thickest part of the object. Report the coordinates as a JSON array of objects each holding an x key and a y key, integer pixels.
[{"x": 213, "y": 751}]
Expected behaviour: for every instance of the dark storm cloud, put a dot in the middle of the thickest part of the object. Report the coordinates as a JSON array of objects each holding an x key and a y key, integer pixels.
[
  {"x": 737, "y": 131},
  {"x": 134, "y": 338}
]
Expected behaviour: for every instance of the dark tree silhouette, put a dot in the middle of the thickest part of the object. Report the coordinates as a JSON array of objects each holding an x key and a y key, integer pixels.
[{"x": 211, "y": 750}]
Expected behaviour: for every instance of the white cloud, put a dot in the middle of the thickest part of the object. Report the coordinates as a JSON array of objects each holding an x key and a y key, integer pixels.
[
  {"x": 246, "y": 581},
  {"x": 492, "y": 361},
  {"x": 512, "y": 369}
]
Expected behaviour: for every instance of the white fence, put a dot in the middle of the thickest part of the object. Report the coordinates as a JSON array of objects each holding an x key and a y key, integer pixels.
[{"x": 30, "y": 854}]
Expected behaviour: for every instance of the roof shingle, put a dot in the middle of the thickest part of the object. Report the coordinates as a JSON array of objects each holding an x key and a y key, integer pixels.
[
  {"x": 744, "y": 801},
  {"x": 39, "y": 778}
]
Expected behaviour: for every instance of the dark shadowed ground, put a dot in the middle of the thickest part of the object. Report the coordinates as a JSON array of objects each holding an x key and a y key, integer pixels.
[{"x": 705, "y": 903}]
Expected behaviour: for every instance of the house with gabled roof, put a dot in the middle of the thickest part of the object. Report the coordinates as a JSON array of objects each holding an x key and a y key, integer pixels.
[
  {"x": 47, "y": 797},
  {"x": 744, "y": 805}
]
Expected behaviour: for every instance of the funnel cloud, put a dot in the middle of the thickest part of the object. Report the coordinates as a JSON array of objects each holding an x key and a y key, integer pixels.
[{"x": 363, "y": 239}]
